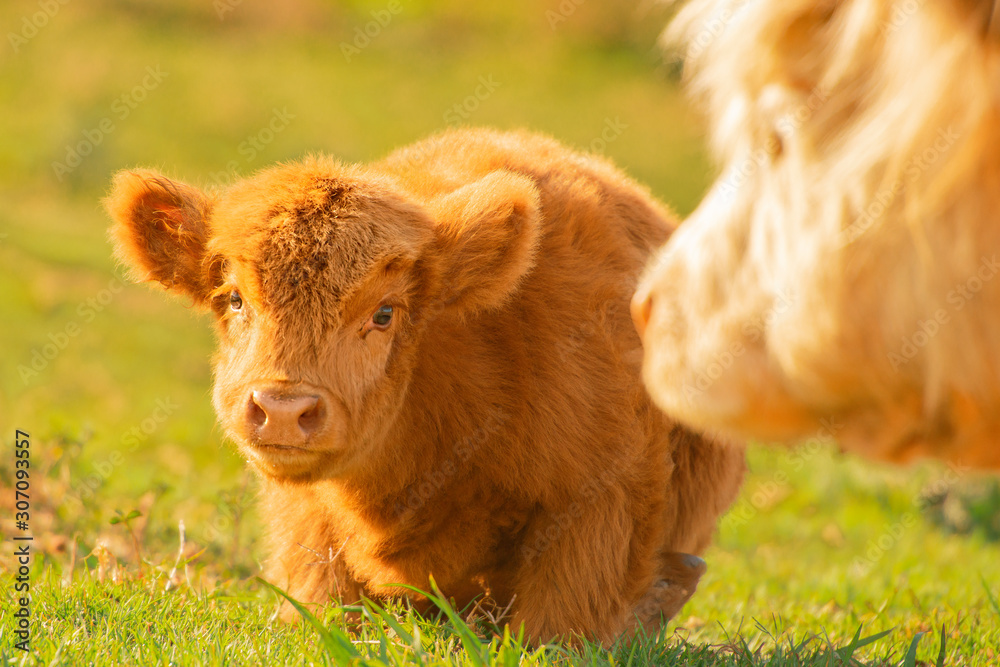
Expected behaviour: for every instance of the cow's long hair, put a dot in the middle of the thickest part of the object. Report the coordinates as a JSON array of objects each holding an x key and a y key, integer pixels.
[{"x": 856, "y": 221}]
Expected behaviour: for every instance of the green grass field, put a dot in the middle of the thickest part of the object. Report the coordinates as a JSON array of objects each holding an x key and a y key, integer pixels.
[{"x": 825, "y": 560}]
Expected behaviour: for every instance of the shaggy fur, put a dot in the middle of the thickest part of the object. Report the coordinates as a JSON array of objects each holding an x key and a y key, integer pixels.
[
  {"x": 841, "y": 275},
  {"x": 495, "y": 434}
]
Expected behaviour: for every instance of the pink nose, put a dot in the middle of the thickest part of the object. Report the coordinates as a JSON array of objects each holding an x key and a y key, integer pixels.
[
  {"x": 284, "y": 418},
  {"x": 642, "y": 306}
]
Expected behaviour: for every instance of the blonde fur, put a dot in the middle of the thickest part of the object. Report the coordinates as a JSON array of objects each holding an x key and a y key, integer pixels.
[{"x": 841, "y": 272}]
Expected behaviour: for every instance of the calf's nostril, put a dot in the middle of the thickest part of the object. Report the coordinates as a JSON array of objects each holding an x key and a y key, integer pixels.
[
  {"x": 255, "y": 412},
  {"x": 312, "y": 417}
]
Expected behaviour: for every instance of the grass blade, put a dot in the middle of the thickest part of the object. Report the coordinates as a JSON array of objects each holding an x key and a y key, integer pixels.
[
  {"x": 871, "y": 640},
  {"x": 338, "y": 645},
  {"x": 473, "y": 645},
  {"x": 991, "y": 597},
  {"x": 389, "y": 619},
  {"x": 911, "y": 654},
  {"x": 847, "y": 653},
  {"x": 944, "y": 639}
]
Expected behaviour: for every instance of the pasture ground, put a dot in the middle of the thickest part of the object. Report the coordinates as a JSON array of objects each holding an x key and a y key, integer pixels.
[{"x": 825, "y": 560}]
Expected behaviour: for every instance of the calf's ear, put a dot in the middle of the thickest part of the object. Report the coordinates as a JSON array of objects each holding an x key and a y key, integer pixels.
[
  {"x": 159, "y": 229},
  {"x": 488, "y": 233}
]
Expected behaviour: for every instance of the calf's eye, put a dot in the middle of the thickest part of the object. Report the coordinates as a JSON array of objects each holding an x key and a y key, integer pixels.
[
  {"x": 382, "y": 316},
  {"x": 235, "y": 300}
]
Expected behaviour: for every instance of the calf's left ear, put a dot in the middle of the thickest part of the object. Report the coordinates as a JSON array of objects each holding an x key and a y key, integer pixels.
[
  {"x": 488, "y": 232},
  {"x": 160, "y": 230}
]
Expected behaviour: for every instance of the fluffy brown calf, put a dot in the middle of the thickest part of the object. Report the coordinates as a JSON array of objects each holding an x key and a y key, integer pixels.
[
  {"x": 430, "y": 363},
  {"x": 841, "y": 275}
]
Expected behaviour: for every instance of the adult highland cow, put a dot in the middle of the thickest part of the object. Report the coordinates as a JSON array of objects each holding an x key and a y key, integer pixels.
[
  {"x": 430, "y": 363},
  {"x": 841, "y": 275}
]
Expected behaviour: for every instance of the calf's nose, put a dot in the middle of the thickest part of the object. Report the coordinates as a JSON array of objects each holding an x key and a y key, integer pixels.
[
  {"x": 281, "y": 418},
  {"x": 642, "y": 306}
]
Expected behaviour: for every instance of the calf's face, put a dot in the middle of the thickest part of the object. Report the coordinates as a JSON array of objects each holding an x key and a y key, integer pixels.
[{"x": 324, "y": 281}]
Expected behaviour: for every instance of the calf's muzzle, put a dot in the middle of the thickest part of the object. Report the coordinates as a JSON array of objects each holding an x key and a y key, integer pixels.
[{"x": 285, "y": 417}]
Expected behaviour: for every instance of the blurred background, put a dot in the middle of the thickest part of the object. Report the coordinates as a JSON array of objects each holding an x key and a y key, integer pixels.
[{"x": 112, "y": 380}]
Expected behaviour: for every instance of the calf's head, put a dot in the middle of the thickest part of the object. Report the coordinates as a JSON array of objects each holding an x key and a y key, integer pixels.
[{"x": 324, "y": 281}]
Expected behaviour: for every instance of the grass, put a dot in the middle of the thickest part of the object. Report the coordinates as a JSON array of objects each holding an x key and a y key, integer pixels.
[{"x": 825, "y": 560}]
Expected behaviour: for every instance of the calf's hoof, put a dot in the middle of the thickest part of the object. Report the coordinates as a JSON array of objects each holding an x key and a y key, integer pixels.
[{"x": 679, "y": 580}]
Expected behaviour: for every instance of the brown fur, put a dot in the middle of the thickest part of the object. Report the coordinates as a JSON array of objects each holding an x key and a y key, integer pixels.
[
  {"x": 497, "y": 435},
  {"x": 840, "y": 276}
]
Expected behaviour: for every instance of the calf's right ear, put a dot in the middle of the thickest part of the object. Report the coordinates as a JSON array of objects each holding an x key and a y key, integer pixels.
[
  {"x": 488, "y": 231},
  {"x": 160, "y": 229}
]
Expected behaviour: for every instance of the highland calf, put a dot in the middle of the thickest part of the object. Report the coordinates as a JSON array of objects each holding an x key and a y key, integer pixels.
[
  {"x": 841, "y": 275},
  {"x": 430, "y": 363}
]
